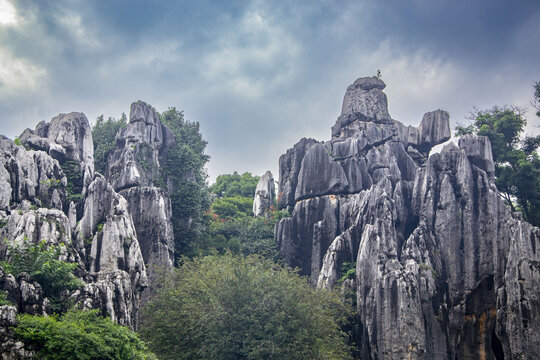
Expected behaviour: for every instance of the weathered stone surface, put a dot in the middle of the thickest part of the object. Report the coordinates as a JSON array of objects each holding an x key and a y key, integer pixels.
[
  {"x": 29, "y": 178},
  {"x": 134, "y": 170},
  {"x": 67, "y": 137},
  {"x": 136, "y": 159},
  {"x": 289, "y": 168},
  {"x": 443, "y": 269},
  {"x": 478, "y": 149},
  {"x": 10, "y": 347},
  {"x": 112, "y": 254},
  {"x": 264, "y": 195},
  {"x": 150, "y": 209}
]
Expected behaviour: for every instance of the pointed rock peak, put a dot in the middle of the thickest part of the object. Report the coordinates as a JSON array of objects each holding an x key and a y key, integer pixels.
[
  {"x": 368, "y": 83},
  {"x": 142, "y": 112},
  {"x": 264, "y": 195},
  {"x": 363, "y": 101},
  {"x": 434, "y": 129}
]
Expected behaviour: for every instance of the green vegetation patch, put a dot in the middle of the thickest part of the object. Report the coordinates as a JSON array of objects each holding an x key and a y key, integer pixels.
[{"x": 231, "y": 307}]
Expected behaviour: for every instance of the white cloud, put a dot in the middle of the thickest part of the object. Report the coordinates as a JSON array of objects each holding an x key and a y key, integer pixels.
[
  {"x": 8, "y": 14},
  {"x": 18, "y": 75}
]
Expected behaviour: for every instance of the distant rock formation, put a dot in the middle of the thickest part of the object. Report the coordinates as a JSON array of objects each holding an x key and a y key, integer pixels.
[
  {"x": 444, "y": 270},
  {"x": 264, "y": 195}
]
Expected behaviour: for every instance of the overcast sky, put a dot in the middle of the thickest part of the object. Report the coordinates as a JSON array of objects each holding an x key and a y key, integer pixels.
[{"x": 260, "y": 75}]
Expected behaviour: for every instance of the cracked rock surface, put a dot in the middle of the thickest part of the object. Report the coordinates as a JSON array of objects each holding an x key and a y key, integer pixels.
[{"x": 444, "y": 270}]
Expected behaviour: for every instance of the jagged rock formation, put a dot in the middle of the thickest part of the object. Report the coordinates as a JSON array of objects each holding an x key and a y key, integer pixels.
[
  {"x": 134, "y": 171},
  {"x": 67, "y": 138},
  {"x": 10, "y": 347},
  {"x": 264, "y": 195},
  {"x": 93, "y": 228},
  {"x": 443, "y": 269}
]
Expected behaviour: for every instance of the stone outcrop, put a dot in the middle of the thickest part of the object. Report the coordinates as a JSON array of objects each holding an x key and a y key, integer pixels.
[
  {"x": 113, "y": 258},
  {"x": 134, "y": 170},
  {"x": 34, "y": 207},
  {"x": 10, "y": 347},
  {"x": 136, "y": 159},
  {"x": 443, "y": 269},
  {"x": 29, "y": 178},
  {"x": 264, "y": 195},
  {"x": 67, "y": 138}
]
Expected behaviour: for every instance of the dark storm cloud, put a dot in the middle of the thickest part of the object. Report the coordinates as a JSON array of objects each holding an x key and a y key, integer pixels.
[{"x": 259, "y": 75}]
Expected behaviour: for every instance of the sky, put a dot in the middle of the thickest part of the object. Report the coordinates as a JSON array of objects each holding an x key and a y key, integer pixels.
[{"x": 260, "y": 75}]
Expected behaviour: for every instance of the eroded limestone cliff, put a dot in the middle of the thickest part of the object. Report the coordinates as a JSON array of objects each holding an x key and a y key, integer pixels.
[{"x": 444, "y": 270}]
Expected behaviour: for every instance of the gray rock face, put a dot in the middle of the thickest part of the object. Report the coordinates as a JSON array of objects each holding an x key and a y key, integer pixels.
[
  {"x": 478, "y": 150},
  {"x": 136, "y": 159},
  {"x": 134, "y": 171},
  {"x": 10, "y": 347},
  {"x": 443, "y": 269},
  {"x": 67, "y": 137},
  {"x": 29, "y": 178},
  {"x": 103, "y": 243},
  {"x": 264, "y": 195}
]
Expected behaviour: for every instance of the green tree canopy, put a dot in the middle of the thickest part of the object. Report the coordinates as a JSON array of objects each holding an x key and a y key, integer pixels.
[
  {"x": 104, "y": 135},
  {"x": 184, "y": 168},
  {"x": 517, "y": 163},
  {"x": 80, "y": 335},
  {"x": 231, "y": 307},
  {"x": 230, "y": 185}
]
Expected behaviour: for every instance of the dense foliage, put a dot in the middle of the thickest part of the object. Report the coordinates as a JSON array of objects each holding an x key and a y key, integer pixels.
[
  {"x": 230, "y": 225},
  {"x": 241, "y": 234},
  {"x": 80, "y": 335},
  {"x": 234, "y": 207},
  {"x": 41, "y": 262},
  {"x": 517, "y": 163},
  {"x": 183, "y": 166},
  {"x": 231, "y": 307},
  {"x": 104, "y": 134},
  {"x": 233, "y": 185}
]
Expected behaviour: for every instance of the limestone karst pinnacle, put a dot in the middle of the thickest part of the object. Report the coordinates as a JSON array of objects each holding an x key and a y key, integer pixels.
[{"x": 438, "y": 255}]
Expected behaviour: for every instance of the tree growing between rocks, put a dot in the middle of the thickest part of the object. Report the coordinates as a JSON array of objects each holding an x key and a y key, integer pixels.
[
  {"x": 104, "y": 135},
  {"x": 517, "y": 163},
  {"x": 184, "y": 170}
]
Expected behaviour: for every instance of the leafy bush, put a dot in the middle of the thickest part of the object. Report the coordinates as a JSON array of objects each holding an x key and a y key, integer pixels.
[
  {"x": 80, "y": 335},
  {"x": 233, "y": 207},
  {"x": 104, "y": 136},
  {"x": 3, "y": 298},
  {"x": 40, "y": 262},
  {"x": 348, "y": 271},
  {"x": 230, "y": 185},
  {"x": 231, "y": 307},
  {"x": 72, "y": 170}
]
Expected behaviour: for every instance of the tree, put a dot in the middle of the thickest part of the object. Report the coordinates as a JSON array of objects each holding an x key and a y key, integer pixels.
[
  {"x": 184, "y": 168},
  {"x": 104, "y": 135},
  {"x": 517, "y": 163},
  {"x": 80, "y": 335},
  {"x": 230, "y": 185},
  {"x": 231, "y": 307},
  {"x": 41, "y": 262}
]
